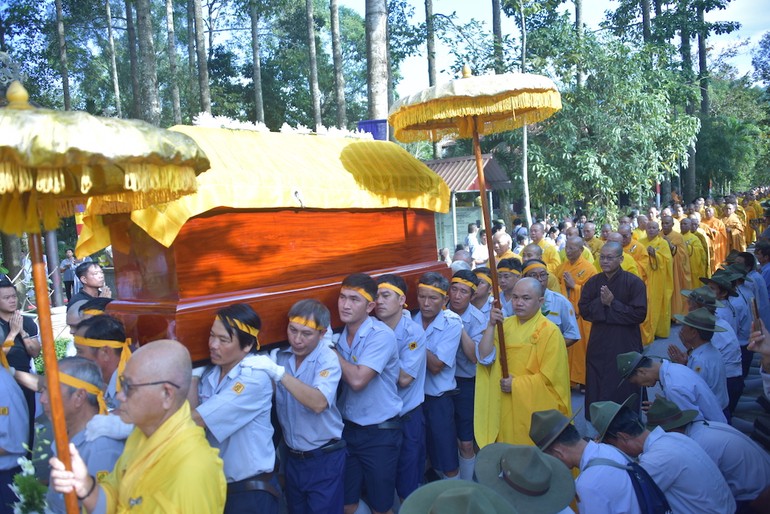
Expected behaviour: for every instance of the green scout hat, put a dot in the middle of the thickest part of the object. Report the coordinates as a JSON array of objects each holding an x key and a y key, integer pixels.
[
  {"x": 668, "y": 415},
  {"x": 723, "y": 279},
  {"x": 740, "y": 270},
  {"x": 767, "y": 212},
  {"x": 730, "y": 257},
  {"x": 547, "y": 425},
  {"x": 529, "y": 479},
  {"x": 602, "y": 413},
  {"x": 704, "y": 296},
  {"x": 455, "y": 497},
  {"x": 628, "y": 362},
  {"x": 702, "y": 319}
]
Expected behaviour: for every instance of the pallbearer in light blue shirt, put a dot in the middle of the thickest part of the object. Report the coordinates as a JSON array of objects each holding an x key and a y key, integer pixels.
[
  {"x": 443, "y": 329},
  {"x": 410, "y": 337},
  {"x": 232, "y": 401},
  {"x": 369, "y": 400},
  {"x": 482, "y": 298},
  {"x": 305, "y": 399},
  {"x": 461, "y": 289}
]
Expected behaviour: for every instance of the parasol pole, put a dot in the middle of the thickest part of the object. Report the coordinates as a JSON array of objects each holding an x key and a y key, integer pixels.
[
  {"x": 51, "y": 365},
  {"x": 490, "y": 244}
]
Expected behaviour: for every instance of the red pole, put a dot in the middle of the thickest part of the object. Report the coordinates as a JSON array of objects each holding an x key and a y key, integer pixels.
[
  {"x": 51, "y": 364},
  {"x": 490, "y": 246}
]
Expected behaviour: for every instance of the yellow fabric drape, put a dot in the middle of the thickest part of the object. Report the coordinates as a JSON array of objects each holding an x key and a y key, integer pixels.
[
  {"x": 550, "y": 256},
  {"x": 660, "y": 286},
  {"x": 681, "y": 272},
  {"x": 537, "y": 359},
  {"x": 698, "y": 261},
  {"x": 175, "y": 470},
  {"x": 581, "y": 270}
]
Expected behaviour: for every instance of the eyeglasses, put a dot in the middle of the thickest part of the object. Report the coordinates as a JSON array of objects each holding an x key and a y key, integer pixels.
[{"x": 128, "y": 389}]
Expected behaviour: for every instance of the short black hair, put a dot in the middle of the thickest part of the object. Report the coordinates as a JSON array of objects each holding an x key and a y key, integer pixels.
[
  {"x": 626, "y": 421},
  {"x": 83, "y": 268},
  {"x": 569, "y": 436},
  {"x": 105, "y": 328},
  {"x": 395, "y": 280},
  {"x": 246, "y": 315},
  {"x": 748, "y": 259},
  {"x": 4, "y": 282},
  {"x": 434, "y": 279},
  {"x": 511, "y": 262},
  {"x": 468, "y": 275},
  {"x": 363, "y": 281}
]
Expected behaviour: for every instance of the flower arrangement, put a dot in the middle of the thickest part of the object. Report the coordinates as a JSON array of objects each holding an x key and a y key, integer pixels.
[{"x": 28, "y": 489}]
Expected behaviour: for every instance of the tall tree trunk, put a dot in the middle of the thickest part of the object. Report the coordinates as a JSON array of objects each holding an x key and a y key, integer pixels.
[
  {"x": 646, "y": 23},
  {"x": 171, "y": 50},
  {"x": 497, "y": 37},
  {"x": 658, "y": 7},
  {"x": 524, "y": 136},
  {"x": 339, "y": 77},
  {"x": 63, "y": 66},
  {"x": 377, "y": 58},
  {"x": 579, "y": 77},
  {"x": 136, "y": 100},
  {"x": 113, "y": 64},
  {"x": 688, "y": 184},
  {"x": 11, "y": 253},
  {"x": 703, "y": 75},
  {"x": 210, "y": 53},
  {"x": 256, "y": 75},
  {"x": 148, "y": 70},
  {"x": 191, "y": 38},
  {"x": 52, "y": 265},
  {"x": 203, "y": 68},
  {"x": 315, "y": 93}
]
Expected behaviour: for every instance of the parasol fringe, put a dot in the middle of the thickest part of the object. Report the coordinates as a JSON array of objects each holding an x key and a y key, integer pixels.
[
  {"x": 15, "y": 178},
  {"x": 148, "y": 177},
  {"x": 508, "y": 113}
]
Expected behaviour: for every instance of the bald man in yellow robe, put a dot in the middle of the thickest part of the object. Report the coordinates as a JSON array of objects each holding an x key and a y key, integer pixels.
[
  {"x": 718, "y": 234},
  {"x": 573, "y": 273},
  {"x": 735, "y": 229},
  {"x": 591, "y": 241},
  {"x": 660, "y": 280},
  {"x": 550, "y": 254},
  {"x": 698, "y": 260},
  {"x": 538, "y": 371},
  {"x": 681, "y": 265},
  {"x": 700, "y": 231}
]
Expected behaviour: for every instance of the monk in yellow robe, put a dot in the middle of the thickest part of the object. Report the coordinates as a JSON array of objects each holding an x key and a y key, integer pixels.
[
  {"x": 591, "y": 241},
  {"x": 718, "y": 233},
  {"x": 573, "y": 273},
  {"x": 698, "y": 260},
  {"x": 735, "y": 229},
  {"x": 681, "y": 265},
  {"x": 586, "y": 252},
  {"x": 751, "y": 221},
  {"x": 701, "y": 232},
  {"x": 641, "y": 227},
  {"x": 660, "y": 280},
  {"x": 538, "y": 372},
  {"x": 167, "y": 464},
  {"x": 502, "y": 246},
  {"x": 550, "y": 254},
  {"x": 636, "y": 252}
]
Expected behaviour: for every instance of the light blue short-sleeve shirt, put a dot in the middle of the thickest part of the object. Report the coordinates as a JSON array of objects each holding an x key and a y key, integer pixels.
[
  {"x": 687, "y": 390},
  {"x": 727, "y": 344},
  {"x": 442, "y": 338},
  {"x": 374, "y": 346},
  {"x": 474, "y": 324},
  {"x": 303, "y": 429},
  {"x": 411, "y": 355},
  {"x": 100, "y": 456},
  {"x": 14, "y": 420},
  {"x": 561, "y": 313},
  {"x": 236, "y": 411},
  {"x": 706, "y": 361}
]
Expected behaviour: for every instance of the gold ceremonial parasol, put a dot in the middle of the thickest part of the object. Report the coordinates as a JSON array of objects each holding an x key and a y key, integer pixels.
[
  {"x": 51, "y": 161},
  {"x": 473, "y": 106}
]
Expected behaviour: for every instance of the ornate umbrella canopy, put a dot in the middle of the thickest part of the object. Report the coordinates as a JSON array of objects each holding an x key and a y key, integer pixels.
[
  {"x": 50, "y": 161},
  {"x": 470, "y": 107},
  {"x": 499, "y": 102}
]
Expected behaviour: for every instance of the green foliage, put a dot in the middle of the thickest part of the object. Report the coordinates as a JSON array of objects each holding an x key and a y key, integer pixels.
[
  {"x": 61, "y": 350},
  {"x": 760, "y": 59}
]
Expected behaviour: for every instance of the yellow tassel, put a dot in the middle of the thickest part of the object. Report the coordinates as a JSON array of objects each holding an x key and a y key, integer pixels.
[
  {"x": 49, "y": 213},
  {"x": 31, "y": 221}
]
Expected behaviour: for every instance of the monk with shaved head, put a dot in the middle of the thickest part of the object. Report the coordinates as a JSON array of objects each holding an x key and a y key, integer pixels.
[
  {"x": 660, "y": 280},
  {"x": 167, "y": 459}
]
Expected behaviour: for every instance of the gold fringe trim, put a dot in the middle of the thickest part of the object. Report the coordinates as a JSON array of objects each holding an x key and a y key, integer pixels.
[{"x": 435, "y": 119}]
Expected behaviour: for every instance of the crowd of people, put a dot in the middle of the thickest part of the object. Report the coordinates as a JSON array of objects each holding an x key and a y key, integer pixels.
[{"x": 464, "y": 403}]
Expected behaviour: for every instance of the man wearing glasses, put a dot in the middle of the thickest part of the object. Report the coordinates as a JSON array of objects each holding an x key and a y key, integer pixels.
[
  {"x": 167, "y": 465},
  {"x": 615, "y": 303}
]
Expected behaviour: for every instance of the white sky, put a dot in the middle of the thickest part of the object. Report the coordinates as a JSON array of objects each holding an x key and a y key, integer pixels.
[{"x": 753, "y": 15}]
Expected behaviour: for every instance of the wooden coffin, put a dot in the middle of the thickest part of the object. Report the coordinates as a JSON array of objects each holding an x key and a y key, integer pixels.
[{"x": 268, "y": 259}]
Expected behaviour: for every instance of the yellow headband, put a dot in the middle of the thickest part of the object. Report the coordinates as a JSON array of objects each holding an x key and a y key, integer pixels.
[
  {"x": 307, "y": 322},
  {"x": 388, "y": 285},
  {"x": 90, "y": 389},
  {"x": 100, "y": 343},
  {"x": 458, "y": 280},
  {"x": 534, "y": 266},
  {"x": 433, "y": 288},
  {"x": 243, "y": 327},
  {"x": 92, "y": 312},
  {"x": 508, "y": 270},
  {"x": 485, "y": 277},
  {"x": 360, "y": 291}
]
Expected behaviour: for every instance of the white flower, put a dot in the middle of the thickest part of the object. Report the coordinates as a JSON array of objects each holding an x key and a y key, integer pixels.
[{"x": 27, "y": 468}]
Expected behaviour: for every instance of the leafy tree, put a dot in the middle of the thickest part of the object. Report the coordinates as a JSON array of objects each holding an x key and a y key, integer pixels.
[{"x": 760, "y": 59}]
